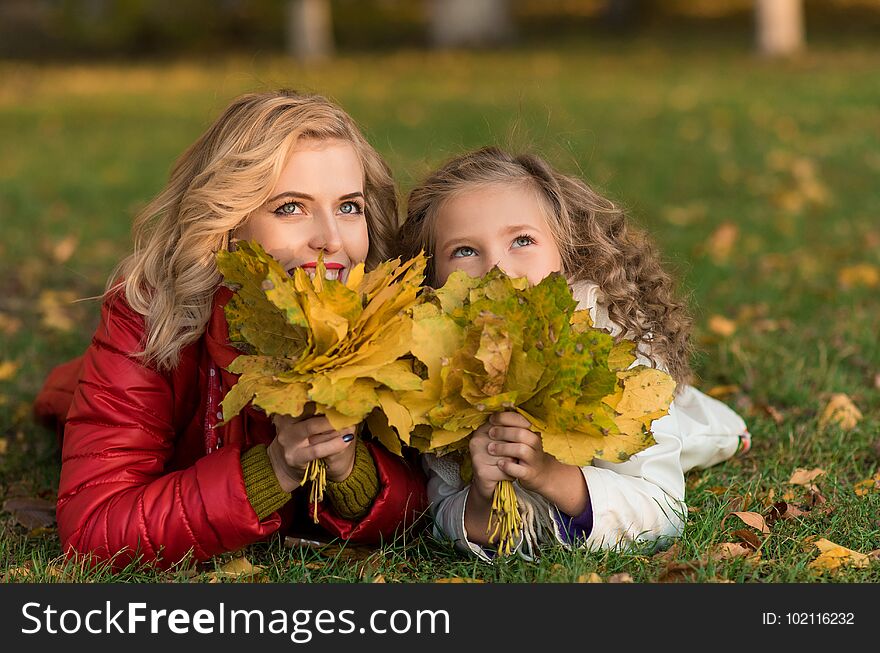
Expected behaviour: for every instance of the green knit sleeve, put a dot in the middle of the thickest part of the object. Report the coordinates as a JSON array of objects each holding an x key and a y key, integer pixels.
[
  {"x": 352, "y": 498},
  {"x": 263, "y": 490}
]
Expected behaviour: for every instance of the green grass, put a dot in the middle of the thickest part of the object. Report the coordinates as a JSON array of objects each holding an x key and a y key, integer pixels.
[{"x": 687, "y": 135}]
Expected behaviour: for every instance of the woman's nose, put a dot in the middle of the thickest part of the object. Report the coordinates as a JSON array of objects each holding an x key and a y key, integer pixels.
[{"x": 325, "y": 234}]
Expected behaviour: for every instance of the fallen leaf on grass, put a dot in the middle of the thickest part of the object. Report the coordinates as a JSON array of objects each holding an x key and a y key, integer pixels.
[
  {"x": 622, "y": 577},
  {"x": 771, "y": 412},
  {"x": 237, "y": 568},
  {"x": 748, "y": 537},
  {"x": 833, "y": 556},
  {"x": 676, "y": 572},
  {"x": 328, "y": 550},
  {"x": 4, "y": 445},
  {"x": 722, "y": 326},
  {"x": 31, "y": 512},
  {"x": 54, "y": 307},
  {"x": 721, "y": 391},
  {"x": 592, "y": 577},
  {"x": 753, "y": 519},
  {"x": 378, "y": 579},
  {"x": 805, "y": 476},
  {"x": 8, "y": 370},
  {"x": 860, "y": 274},
  {"x": 64, "y": 249},
  {"x": 9, "y": 325},
  {"x": 456, "y": 579},
  {"x": 840, "y": 411},
  {"x": 720, "y": 244},
  {"x": 868, "y": 485},
  {"x": 782, "y": 510},
  {"x": 18, "y": 575},
  {"x": 728, "y": 550}
]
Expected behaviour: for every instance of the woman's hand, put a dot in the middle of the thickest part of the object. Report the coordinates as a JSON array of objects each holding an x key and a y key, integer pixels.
[{"x": 299, "y": 441}]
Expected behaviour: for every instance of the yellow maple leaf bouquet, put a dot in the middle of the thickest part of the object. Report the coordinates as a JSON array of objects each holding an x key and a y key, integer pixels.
[
  {"x": 497, "y": 343},
  {"x": 338, "y": 348}
]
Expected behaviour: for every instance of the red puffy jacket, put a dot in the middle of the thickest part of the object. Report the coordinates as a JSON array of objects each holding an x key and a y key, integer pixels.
[{"x": 145, "y": 472}]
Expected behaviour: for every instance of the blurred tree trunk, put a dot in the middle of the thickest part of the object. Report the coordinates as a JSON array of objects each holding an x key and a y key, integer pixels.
[
  {"x": 627, "y": 15},
  {"x": 779, "y": 27},
  {"x": 309, "y": 29},
  {"x": 469, "y": 22}
]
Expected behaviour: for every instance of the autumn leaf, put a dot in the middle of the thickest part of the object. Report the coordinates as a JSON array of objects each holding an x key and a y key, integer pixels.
[
  {"x": 833, "y": 556},
  {"x": 861, "y": 274},
  {"x": 9, "y": 325},
  {"x": 753, "y": 519},
  {"x": 31, "y": 512},
  {"x": 592, "y": 577},
  {"x": 867, "y": 485},
  {"x": 720, "y": 244},
  {"x": 622, "y": 577},
  {"x": 64, "y": 249},
  {"x": 8, "y": 370},
  {"x": 805, "y": 476},
  {"x": 728, "y": 550},
  {"x": 840, "y": 411},
  {"x": 782, "y": 510},
  {"x": 721, "y": 391},
  {"x": 722, "y": 326},
  {"x": 749, "y": 538},
  {"x": 239, "y": 569},
  {"x": 54, "y": 306}
]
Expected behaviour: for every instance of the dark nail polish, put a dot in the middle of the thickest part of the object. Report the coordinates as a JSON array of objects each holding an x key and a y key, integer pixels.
[{"x": 348, "y": 437}]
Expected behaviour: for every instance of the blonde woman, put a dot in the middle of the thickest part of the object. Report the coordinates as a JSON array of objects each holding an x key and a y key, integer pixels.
[
  {"x": 489, "y": 207},
  {"x": 147, "y": 473}
]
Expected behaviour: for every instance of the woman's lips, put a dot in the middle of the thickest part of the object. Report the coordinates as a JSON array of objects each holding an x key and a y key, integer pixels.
[{"x": 333, "y": 271}]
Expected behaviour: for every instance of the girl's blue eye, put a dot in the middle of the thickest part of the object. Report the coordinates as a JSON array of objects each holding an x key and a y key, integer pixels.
[
  {"x": 463, "y": 252},
  {"x": 350, "y": 208},
  {"x": 523, "y": 241}
]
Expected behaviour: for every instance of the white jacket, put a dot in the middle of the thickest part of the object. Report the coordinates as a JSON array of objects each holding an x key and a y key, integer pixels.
[{"x": 639, "y": 500}]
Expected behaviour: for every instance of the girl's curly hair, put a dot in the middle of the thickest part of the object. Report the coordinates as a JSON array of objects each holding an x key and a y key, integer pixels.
[{"x": 595, "y": 241}]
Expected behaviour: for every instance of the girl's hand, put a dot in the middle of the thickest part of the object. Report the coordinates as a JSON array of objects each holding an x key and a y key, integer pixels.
[
  {"x": 298, "y": 441},
  {"x": 486, "y": 472},
  {"x": 521, "y": 455},
  {"x": 518, "y": 451}
]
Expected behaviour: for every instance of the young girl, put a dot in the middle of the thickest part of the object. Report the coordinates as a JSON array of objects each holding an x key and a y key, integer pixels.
[
  {"x": 146, "y": 469},
  {"x": 490, "y": 208}
]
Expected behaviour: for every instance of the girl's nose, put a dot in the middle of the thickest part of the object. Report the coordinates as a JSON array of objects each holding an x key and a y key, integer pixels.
[{"x": 325, "y": 234}]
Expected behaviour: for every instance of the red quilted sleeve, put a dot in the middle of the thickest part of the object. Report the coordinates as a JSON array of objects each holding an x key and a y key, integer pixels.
[
  {"x": 116, "y": 499},
  {"x": 402, "y": 500}
]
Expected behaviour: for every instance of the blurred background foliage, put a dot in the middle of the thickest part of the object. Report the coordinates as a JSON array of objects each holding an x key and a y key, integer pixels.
[{"x": 84, "y": 29}]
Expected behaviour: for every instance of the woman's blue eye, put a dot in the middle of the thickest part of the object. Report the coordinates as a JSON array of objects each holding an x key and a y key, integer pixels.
[
  {"x": 288, "y": 208},
  {"x": 350, "y": 208},
  {"x": 523, "y": 241},
  {"x": 462, "y": 252}
]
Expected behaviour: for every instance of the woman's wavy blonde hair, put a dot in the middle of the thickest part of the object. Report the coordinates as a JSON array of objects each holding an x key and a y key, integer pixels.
[
  {"x": 229, "y": 172},
  {"x": 592, "y": 235}
]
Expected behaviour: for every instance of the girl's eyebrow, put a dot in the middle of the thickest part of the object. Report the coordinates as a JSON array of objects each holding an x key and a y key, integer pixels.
[
  {"x": 519, "y": 227},
  {"x": 453, "y": 242},
  {"x": 305, "y": 196}
]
